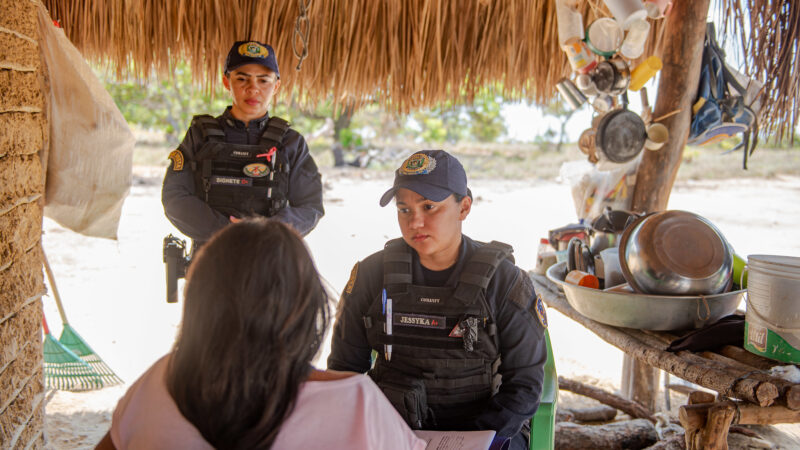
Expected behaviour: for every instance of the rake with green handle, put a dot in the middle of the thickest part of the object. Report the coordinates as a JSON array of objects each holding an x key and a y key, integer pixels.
[
  {"x": 65, "y": 370},
  {"x": 74, "y": 342}
]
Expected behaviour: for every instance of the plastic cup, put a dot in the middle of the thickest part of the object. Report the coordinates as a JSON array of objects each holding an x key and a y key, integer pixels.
[
  {"x": 633, "y": 45},
  {"x": 644, "y": 72},
  {"x": 657, "y": 136},
  {"x": 604, "y": 36},
  {"x": 626, "y": 11}
]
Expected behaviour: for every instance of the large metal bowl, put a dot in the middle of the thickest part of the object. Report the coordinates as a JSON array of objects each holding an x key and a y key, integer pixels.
[
  {"x": 644, "y": 311},
  {"x": 675, "y": 253}
]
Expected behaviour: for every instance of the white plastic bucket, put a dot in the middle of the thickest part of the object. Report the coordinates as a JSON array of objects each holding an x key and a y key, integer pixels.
[{"x": 773, "y": 307}]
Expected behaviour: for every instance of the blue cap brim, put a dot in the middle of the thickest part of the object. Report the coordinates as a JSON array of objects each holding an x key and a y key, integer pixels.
[{"x": 430, "y": 192}]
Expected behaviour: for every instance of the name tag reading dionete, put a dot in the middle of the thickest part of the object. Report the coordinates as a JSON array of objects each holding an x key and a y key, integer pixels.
[
  {"x": 418, "y": 320},
  {"x": 230, "y": 181}
]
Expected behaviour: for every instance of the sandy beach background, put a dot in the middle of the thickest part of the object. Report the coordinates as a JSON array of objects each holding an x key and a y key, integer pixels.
[{"x": 113, "y": 291}]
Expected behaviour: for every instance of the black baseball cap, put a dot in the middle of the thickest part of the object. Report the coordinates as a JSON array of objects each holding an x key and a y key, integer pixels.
[
  {"x": 251, "y": 52},
  {"x": 433, "y": 174}
]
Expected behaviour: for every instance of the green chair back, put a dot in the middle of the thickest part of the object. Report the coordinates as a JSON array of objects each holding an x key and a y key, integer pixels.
[{"x": 543, "y": 423}]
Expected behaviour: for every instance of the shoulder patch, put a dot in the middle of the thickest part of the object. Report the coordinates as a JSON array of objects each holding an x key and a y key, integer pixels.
[
  {"x": 177, "y": 160},
  {"x": 522, "y": 293},
  {"x": 352, "y": 281},
  {"x": 541, "y": 313}
]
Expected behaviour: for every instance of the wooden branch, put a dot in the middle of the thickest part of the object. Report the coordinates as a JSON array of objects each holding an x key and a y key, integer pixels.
[
  {"x": 638, "y": 433},
  {"x": 629, "y": 407},
  {"x": 695, "y": 416},
  {"x": 712, "y": 378},
  {"x": 700, "y": 397},
  {"x": 745, "y": 357},
  {"x": 789, "y": 393},
  {"x": 681, "y": 56},
  {"x": 600, "y": 413}
]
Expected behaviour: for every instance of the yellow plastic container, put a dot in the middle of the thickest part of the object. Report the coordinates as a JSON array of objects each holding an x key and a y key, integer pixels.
[{"x": 644, "y": 72}]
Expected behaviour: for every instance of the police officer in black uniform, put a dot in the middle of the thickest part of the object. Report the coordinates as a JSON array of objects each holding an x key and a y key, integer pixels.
[
  {"x": 243, "y": 162},
  {"x": 449, "y": 328}
]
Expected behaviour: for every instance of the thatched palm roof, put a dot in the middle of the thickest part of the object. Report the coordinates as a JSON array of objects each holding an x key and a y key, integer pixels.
[{"x": 408, "y": 53}]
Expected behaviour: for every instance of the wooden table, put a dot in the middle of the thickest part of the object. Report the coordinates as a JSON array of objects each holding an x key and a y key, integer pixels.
[{"x": 748, "y": 394}]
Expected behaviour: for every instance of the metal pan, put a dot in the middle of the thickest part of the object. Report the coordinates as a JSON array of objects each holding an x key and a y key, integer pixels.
[{"x": 643, "y": 311}]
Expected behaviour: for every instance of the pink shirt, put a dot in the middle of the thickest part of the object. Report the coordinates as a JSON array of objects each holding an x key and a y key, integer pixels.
[{"x": 348, "y": 413}]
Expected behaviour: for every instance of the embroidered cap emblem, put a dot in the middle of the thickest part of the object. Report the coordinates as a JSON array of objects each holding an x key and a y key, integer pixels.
[
  {"x": 256, "y": 170},
  {"x": 418, "y": 164},
  {"x": 253, "y": 50}
]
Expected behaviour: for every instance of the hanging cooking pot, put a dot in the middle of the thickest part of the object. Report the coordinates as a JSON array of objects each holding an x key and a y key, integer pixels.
[
  {"x": 620, "y": 135},
  {"x": 612, "y": 77}
]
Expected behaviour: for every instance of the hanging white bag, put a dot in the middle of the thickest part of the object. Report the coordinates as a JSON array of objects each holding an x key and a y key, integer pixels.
[{"x": 90, "y": 151}]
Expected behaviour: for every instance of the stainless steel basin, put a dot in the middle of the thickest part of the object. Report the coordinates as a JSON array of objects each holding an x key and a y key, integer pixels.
[{"x": 645, "y": 311}]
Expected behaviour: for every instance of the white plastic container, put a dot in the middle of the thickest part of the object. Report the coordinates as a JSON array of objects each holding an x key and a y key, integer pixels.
[
  {"x": 626, "y": 11},
  {"x": 633, "y": 45}
]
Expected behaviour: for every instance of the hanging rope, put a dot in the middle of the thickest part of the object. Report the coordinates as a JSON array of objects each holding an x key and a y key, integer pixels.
[{"x": 302, "y": 31}]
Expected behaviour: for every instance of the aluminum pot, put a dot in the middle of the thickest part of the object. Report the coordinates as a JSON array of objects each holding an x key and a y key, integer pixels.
[{"x": 675, "y": 253}]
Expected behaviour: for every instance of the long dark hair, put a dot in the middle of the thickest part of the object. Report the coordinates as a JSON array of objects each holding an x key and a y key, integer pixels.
[{"x": 254, "y": 317}]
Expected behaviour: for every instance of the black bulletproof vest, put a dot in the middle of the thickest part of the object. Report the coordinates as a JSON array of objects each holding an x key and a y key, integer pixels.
[
  {"x": 445, "y": 352},
  {"x": 241, "y": 179}
]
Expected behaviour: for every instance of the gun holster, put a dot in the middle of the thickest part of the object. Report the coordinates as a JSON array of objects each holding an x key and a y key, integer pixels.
[{"x": 176, "y": 261}]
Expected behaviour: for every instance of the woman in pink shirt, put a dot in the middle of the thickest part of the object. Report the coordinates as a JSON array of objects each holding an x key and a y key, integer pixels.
[{"x": 240, "y": 373}]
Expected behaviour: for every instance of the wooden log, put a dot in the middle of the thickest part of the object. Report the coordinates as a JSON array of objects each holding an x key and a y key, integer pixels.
[
  {"x": 637, "y": 433},
  {"x": 564, "y": 415},
  {"x": 751, "y": 359},
  {"x": 788, "y": 392},
  {"x": 702, "y": 375},
  {"x": 699, "y": 397},
  {"x": 714, "y": 435},
  {"x": 600, "y": 413},
  {"x": 681, "y": 388},
  {"x": 681, "y": 56},
  {"x": 629, "y": 407},
  {"x": 694, "y": 416}
]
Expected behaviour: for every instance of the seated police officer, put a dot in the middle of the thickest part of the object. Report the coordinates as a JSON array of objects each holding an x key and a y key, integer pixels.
[
  {"x": 243, "y": 162},
  {"x": 456, "y": 327}
]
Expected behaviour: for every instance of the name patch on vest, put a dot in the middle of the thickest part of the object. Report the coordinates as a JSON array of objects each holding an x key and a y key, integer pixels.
[
  {"x": 240, "y": 154},
  {"x": 429, "y": 300},
  {"x": 418, "y": 320},
  {"x": 230, "y": 181}
]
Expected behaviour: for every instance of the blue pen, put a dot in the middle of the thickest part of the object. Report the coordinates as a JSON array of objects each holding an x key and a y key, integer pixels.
[
  {"x": 388, "y": 348},
  {"x": 383, "y": 301}
]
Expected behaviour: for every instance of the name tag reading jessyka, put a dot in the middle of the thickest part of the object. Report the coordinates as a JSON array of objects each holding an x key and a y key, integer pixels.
[{"x": 418, "y": 320}]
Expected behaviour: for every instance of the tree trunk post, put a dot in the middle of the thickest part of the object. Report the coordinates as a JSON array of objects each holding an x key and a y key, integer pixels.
[{"x": 682, "y": 55}]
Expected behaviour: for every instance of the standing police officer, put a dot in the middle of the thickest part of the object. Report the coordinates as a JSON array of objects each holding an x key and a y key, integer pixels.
[
  {"x": 456, "y": 327},
  {"x": 242, "y": 162}
]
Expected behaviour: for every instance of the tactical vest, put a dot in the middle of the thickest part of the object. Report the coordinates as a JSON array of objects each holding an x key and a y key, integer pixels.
[
  {"x": 242, "y": 179},
  {"x": 443, "y": 367}
]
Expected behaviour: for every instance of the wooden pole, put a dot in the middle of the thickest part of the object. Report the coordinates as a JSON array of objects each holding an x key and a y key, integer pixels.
[
  {"x": 681, "y": 56},
  {"x": 695, "y": 416}
]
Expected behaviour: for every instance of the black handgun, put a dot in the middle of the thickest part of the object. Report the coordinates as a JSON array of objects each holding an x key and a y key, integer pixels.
[{"x": 176, "y": 261}]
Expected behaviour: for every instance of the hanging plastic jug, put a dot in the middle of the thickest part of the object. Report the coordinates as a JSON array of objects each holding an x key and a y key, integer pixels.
[
  {"x": 579, "y": 56},
  {"x": 570, "y": 21},
  {"x": 633, "y": 45},
  {"x": 656, "y": 9},
  {"x": 626, "y": 11}
]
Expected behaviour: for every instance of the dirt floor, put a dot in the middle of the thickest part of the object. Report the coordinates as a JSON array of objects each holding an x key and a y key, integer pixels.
[{"x": 114, "y": 290}]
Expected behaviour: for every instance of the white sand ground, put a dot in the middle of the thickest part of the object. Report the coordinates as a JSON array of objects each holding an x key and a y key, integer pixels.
[{"x": 113, "y": 291}]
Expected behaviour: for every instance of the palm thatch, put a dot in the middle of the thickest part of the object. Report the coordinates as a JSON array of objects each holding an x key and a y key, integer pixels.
[{"x": 406, "y": 53}]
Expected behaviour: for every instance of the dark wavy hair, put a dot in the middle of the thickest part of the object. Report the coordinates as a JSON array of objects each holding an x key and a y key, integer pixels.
[{"x": 255, "y": 315}]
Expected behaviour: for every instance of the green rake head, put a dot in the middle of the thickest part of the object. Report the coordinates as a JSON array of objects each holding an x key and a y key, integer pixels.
[
  {"x": 74, "y": 342},
  {"x": 64, "y": 370}
]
